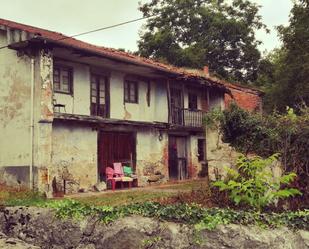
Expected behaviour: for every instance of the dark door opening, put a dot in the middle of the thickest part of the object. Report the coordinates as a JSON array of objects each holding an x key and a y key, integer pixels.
[
  {"x": 177, "y": 152},
  {"x": 177, "y": 106},
  {"x": 116, "y": 147}
]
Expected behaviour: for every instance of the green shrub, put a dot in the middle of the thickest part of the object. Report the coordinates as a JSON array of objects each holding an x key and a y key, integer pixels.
[
  {"x": 265, "y": 135},
  {"x": 253, "y": 184}
]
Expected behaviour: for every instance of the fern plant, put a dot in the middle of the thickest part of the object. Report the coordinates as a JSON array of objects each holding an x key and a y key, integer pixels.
[{"x": 253, "y": 183}]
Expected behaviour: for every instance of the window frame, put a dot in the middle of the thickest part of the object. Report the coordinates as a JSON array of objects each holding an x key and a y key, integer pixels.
[
  {"x": 190, "y": 94},
  {"x": 98, "y": 90},
  {"x": 127, "y": 91},
  {"x": 201, "y": 156},
  {"x": 62, "y": 68}
]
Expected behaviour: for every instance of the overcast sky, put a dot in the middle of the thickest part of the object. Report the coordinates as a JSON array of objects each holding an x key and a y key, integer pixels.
[{"x": 75, "y": 16}]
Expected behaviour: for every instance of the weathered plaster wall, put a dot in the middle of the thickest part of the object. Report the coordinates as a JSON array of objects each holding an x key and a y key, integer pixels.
[
  {"x": 79, "y": 101},
  {"x": 159, "y": 101},
  {"x": 131, "y": 111},
  {"x": 219, "y": 155},
  {"x": 43, "y": 117},
  {"x": 194, "y": 166},
  {"x": 15, "y": 109},
  {"x": 74, "y": 150},
  {"x": 152, "y": 155},
  {"x": 15, "y": 77}
]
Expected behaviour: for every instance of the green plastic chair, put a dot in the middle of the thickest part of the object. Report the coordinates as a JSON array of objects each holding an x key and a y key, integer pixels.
[{"x": 127, "y": 171}]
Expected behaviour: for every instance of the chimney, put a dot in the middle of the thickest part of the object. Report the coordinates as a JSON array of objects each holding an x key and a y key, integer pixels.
[{"x": 206, "y": 70}]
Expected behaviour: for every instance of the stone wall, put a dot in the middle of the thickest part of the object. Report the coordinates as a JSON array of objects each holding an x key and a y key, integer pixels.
[
  {"x": 40, "y": 227},
  {"x": 219, "y": 155}
]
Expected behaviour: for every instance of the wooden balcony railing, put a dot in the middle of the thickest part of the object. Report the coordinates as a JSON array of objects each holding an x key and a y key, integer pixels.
[{"x": 187, "y": 117}]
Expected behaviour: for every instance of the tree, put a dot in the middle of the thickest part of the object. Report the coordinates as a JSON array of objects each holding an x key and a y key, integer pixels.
[
  {"x": 195, "y": 33},
  {"x": 286, "y": 78}
]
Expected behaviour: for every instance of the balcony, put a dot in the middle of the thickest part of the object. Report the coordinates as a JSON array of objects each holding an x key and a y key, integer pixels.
[{"x": 187, "y": 117}]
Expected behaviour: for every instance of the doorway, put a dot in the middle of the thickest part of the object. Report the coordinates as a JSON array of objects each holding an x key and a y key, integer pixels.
[
  {"x": 177, "y": 154},
  {"x": 177, "y": 106},
  {"x": 116, "y": 147}
]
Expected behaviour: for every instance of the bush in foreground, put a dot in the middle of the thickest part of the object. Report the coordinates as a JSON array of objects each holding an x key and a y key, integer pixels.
[{"x": 252, "y": 183}]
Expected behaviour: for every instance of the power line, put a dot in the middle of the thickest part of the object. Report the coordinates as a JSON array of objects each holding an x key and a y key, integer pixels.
[
  {"x": 96, "y": 30},
  {"x": 108, "y": 27}
]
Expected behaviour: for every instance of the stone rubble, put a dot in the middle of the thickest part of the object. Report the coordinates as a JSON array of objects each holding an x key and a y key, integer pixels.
[{"x": 38, "y": 226}]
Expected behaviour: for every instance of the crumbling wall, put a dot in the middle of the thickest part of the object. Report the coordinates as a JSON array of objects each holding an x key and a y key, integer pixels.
[
  {"x": 245, "y": 98},
  {"x": 219, "y": 155},
  {"x": 15, "y": 78},
  {"x": 194, "y": 165},
  {"x": 43, "y": 117},
  {"x": 40, "y": 227},
  {"x": 74, "y": 156},
  {"x": 152, "y": 156}
]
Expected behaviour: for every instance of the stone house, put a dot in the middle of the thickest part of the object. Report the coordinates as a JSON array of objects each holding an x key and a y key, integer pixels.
[{"x": 71, "y": 108}]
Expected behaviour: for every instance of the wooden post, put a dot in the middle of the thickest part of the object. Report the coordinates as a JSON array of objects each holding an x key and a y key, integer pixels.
[
  {"x": 208, "y": 101},
  {"x": 169, "y": 101},
  {"x": 183, "y": 103}
]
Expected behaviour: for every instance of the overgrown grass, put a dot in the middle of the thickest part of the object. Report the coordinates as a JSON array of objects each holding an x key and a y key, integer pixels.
[
  {"x": 19, "y": 197},
  {"x": 123, "y": 198},
  {"x": 157, "y": 193},
  {"x": 22, "y": 197},
  {"x": 174, "y": 206}
]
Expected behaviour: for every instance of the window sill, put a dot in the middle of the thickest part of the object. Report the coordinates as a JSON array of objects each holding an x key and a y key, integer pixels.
[
  {"x": 62, "y": 92},
  {"x": 126, "y": 102}
]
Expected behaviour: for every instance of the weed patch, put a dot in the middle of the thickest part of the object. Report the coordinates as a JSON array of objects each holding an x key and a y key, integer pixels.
[{"x": 192, "y": 214}]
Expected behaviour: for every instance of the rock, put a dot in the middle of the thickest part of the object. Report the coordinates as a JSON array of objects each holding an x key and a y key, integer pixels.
[
  {"x": 90, "y": 246},
  {"x": 305, "y": 237},
  {"x": 155, "y": 178},
  {"x": 12, "y": 243},
  {"x": 100, "y": 186},
  {"x": 45, "y": 231}
]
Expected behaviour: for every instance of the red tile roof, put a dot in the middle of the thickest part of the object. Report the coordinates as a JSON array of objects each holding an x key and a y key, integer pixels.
[{"x": 112, "y": 53}]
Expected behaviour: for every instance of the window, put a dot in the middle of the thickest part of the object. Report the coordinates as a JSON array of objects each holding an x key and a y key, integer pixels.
[
  {"x": 63, "y": 79},
  {"x": 130, "y": 91},
  {"x": 201, "y": 146},
  {"x": 192, "y": 101},
  {"x": 99, "y": 95}
]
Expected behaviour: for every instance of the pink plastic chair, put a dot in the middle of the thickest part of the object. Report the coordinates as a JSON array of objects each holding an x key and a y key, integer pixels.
[
  {"x": 110, "y": 176},
  {"x": 118, "y": 171}
]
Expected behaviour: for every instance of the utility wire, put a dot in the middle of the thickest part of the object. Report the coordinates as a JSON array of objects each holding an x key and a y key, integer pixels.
[
  {"x": 96, "y": 30},
  {"x": 108, "y": 27}
]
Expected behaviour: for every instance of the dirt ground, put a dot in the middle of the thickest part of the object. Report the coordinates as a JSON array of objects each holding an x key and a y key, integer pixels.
[{"x": 138, "y": 194}]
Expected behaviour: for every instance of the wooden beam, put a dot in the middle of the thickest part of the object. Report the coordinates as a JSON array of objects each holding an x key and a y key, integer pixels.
[
  {"x": 169, "y": 101},
  {"x": 208, "y": 101},
  {"x": 183, "y": 102}
]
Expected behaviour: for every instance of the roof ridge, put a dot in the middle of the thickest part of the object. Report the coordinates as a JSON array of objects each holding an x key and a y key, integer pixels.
[
  {"x": 6, "y": 21},
  {"x": 67, "y": 37},
  {"x": 71, "y": 41}
]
